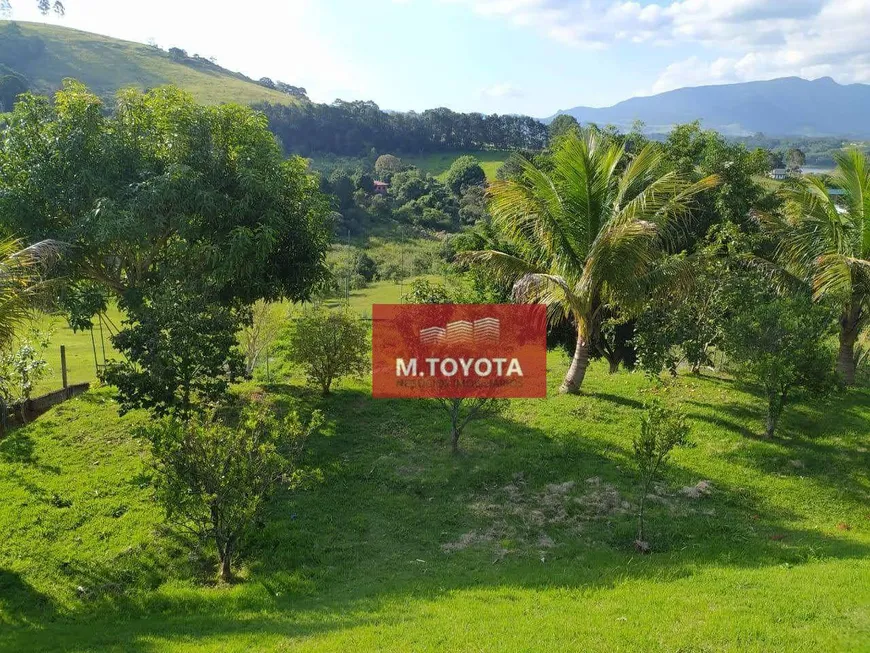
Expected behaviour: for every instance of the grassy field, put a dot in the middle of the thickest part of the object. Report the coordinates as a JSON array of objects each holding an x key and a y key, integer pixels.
[
  {"x": 81, "y": 367},
  {"x": 106, "y": 64},
  {"x": 521, "y": 543},
  {"x": 438, "y": 164}
]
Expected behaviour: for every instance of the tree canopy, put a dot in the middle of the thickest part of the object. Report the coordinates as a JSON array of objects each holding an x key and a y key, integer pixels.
[
  {"x": 825, "y": 239},
  {"x": 161, "y": 182},
  {"x": 591, "y": 227},
  {"x": 354, "y": 128}
]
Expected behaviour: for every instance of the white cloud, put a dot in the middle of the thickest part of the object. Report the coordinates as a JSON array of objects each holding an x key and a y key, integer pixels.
[
  {"x": 736, "y": 40},
  {"x": 503, "y": 90}
]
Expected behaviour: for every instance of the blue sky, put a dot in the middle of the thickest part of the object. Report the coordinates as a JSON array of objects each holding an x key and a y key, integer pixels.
[{"x": 505, "y": 56}]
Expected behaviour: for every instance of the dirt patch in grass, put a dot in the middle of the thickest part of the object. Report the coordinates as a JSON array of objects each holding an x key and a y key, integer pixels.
[{"x": 522, "y": 519}]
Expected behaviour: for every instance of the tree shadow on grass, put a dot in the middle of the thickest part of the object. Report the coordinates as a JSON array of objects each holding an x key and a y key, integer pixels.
[
  {"x": 384, "y": 495},
  {"x": 20, "y": 603},
  {"x": 17, "y": 447},
  {"x": 819, "y": 438},
  {"x": 616, "y": 399}
]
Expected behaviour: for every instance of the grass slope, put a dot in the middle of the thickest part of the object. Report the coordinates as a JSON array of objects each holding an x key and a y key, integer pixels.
[
  {"x": 520, "y": 544},
  {"x": 106, "y": 64},
  {"x": 439, "y": 163}
]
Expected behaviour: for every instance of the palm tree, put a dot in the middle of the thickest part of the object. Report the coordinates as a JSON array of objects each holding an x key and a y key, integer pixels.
[
  {"x": 592, "y": 228},
  {"x": 826, "y": 240},
  {"x": 20, "y": 283}
]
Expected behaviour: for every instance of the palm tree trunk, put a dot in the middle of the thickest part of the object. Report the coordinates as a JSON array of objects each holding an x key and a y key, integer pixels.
[
  {"x": 848, "y": 336},
  {"x": 574, "y": 377}
]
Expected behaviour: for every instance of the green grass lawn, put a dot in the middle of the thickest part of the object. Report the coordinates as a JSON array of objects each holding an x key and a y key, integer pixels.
[
  {"x": 80, "y": 347},
  {"x": 522, "y": 543},
  {"x": 438, "y": 164},
  {"x": 79, "y": 350}
]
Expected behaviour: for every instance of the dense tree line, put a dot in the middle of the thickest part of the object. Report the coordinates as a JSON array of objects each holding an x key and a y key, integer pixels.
[
  {"x": 818, "y": 151},
  {"x": 355, "y": 128},
  {"x": 411, "y": 198}
]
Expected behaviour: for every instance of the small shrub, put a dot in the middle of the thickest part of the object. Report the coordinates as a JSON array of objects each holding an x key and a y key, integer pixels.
[
  {"x": 20, "y": 370},
  {"x": 464, "y": 410},
  {"x": 213, "y": 478},
  {"x": 328, "y": 346}
]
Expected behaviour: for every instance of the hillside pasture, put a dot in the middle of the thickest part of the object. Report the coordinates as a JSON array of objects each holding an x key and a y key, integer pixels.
[
  {"x": 521, "y": 543},
  {"x": 439, "y": 163},
  {"x": 106, "y": 65}
]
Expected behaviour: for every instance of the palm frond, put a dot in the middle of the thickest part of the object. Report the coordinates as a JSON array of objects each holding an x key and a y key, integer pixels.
[{"x": 21, "y": 282}]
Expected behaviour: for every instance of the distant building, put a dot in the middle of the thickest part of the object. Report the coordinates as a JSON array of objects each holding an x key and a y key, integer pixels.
[
  {"x": 778, "y": 173},
  {"x": 381, "y": 187}
]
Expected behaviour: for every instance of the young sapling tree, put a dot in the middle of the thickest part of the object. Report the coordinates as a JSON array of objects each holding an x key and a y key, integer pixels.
[
  {"x": 661, "y": 429},
  {"x": 464, "y": 410}
]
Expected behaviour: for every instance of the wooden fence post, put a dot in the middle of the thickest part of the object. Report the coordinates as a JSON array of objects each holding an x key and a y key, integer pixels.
[{"x": 63, "y": 365}]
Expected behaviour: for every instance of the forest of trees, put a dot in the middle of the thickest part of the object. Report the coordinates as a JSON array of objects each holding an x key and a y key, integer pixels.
[{"x": 355, "y": 128}]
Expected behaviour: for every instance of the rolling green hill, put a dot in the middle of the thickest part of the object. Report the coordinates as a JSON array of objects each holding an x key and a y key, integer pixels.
[{"x": 46, "y": 54}]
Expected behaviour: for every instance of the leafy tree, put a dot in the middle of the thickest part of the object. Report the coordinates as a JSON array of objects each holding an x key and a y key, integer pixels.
[
  {"x": 409, "y": 185},
  {"x": 11, "y": 86},
  {"x": 163, "y": 183},
  {"x": 683, "y": 320},
  {"x": 342, "y": 186},
  {"x": 828, "y": 243},
  {"x": 289, "y": 89},
  {"x": 267, "y": 82},
  {"x": 387, "y": 164},
  {"x": 186, "y": 214},
  {"x": 180, "y": 351},
  {"x": 585, "y": 232},
  {"x": 472, "y": 206},
  {"x": 364, "y": 182},
  {"x": 213, "y": 477},
  {"x": 795, "y": 159},
  {"x": 267, "y": 320},
  {"x": 424, "y": 291},
  {"x": 661, "y": 429},
  {"x": 367, "y": 267},
  {"x": 465, "y": 172},
  {"x": 775, "y": 160},
  {"x": 562, "y": 125},
  {"x": 777, "y": 342},
  {"x": 695, "y": 154},
  {"x": 329, "y": 345}
]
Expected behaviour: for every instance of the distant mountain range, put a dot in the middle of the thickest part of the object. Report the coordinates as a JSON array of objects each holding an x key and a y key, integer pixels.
[{"x": 784, "y": 106}]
